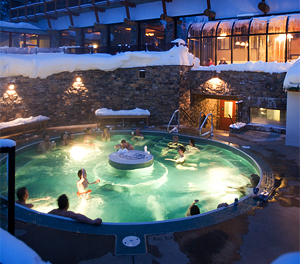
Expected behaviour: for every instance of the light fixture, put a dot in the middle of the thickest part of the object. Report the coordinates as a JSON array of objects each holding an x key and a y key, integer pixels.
[
  {"x": 10, "y": 93},
  {"x": 95, "y": 46},
  {"x": 237, "y": 43}
]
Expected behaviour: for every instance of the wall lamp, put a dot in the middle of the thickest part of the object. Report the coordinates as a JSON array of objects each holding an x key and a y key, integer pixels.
[{"x": 10, "y": 93}]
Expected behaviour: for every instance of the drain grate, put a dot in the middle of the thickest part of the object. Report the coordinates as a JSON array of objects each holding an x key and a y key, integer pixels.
[{"x": 131, "y": 241}]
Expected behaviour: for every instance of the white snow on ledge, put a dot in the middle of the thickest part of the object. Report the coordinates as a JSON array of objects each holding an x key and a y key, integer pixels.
[
  {"x": 108, "y": 112},
  {"x": 7, "y": 143},
  {"x": 22, "y": 121},
  {"x": 238, "y": 125},
  {"x": 292, "y": 78},
  {"x": 42, "y": 65}
]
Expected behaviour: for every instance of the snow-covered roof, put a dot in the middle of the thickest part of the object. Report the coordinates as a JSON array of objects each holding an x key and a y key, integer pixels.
[
  {"x": 292, "y": 78},
  {"x": 22, "y": 25},
  {"x": 43, "y": 65},
  {"x": 108, "y": 112},
  {"x": 22, "y": 121}
]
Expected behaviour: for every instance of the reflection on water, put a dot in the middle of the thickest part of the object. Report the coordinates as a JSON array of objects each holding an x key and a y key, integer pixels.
[{"x": 161, "y": 191}]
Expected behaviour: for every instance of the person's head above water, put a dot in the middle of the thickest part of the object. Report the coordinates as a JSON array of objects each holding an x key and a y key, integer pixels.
[
  {"x": 71, "y": 136},
  {"x": 254, "y": 180},
  {"x": 181, "y": 150},
  {"x": 46, "y": 137},
  {"x": 175, "y": 139},
  {"x": 195, "y": 210},
  {"x": 64, "y": 136},
  {"x": 138, "y": 131},
  {"x": 81, "y": 172},
  {"x": 63, "y": 202},
  {"x": 192, "y": 142},
  {"x": 22, "y": 193},
  {"x": 88, "y": 130}
]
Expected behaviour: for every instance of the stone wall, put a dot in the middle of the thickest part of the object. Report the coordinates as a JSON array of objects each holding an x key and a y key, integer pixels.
[
  {"x": 255, "y": 89},
  {"x": 68, "y": 102},
  {"x": 163, "y": 90}
]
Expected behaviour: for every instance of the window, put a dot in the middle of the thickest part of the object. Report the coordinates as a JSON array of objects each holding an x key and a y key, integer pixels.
[
  {"x": 68, "y": 38},
  {"x": 44, "y": 41},
  {"x": 153, "y": 35},
  {"x": 268, "y": 116},
  {"x": 31, "y": 40},
  {"x": 17, "y": 40},
  {"x": 4, "y": 39},
  {"x": 92, "y": 38}
]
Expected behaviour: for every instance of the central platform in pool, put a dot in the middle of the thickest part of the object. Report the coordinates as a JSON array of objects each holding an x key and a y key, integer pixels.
[{"x": 130, "y": 159}]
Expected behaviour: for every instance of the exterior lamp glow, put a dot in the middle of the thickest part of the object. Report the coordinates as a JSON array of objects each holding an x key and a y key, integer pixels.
[{"x": 11, "y": 87}]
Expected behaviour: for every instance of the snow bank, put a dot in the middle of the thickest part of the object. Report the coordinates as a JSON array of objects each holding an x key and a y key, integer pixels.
[
  {"x": 271, "y": 67},
  {"x": 22, "y": 121},
  {"x": 7, "y": 143},
  {"x": 44, "y": 65},
  {"x": 14, "y": 251},
  {"x": 292, "y": 78},
  {"x": 106, "y": 112}
]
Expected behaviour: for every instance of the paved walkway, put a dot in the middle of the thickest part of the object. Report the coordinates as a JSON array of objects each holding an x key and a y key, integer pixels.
[{"x": 259, "y": 236}]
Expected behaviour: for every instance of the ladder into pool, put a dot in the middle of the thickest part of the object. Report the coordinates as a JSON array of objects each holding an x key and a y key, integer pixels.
[{"x": 208, "y": 117}]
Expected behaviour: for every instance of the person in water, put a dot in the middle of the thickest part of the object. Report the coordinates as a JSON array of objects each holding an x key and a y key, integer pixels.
[
  {"x": 137, "y": 135},
  {"x": 71, "y": 138},
  {"x": 105, "y": 136},
  {"x": 193, "y": 209},
  {"x": 62, "y": 210},
  {"x": 124, "y": 145},
  {"x": 64, "y": 139},
  {"x": 82, "y": 184},
  {"x": 180, "y": 158},
  {"x": 23, "y": 196},
  {"x": 89, "y": 136},
  {"x": 46, "y": 145},
  {"x": 191, "y": 145}
]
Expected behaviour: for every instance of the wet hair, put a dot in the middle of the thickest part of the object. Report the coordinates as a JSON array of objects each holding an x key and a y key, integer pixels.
[
  {"x": 62, "y": 135},
  {"x": 80, "y": 173},
  {"x": 45, "y": 135},
  {"x": 123, "y": 141},
  {"x": 254, "y": 179},
  {"x": 21, "y": 192},
  {"x": 195, "y": 210},
  {"x": 175, "y": 137},
  {"x": 192, "y": 141},
  {"x": 63, "y": 202},
  {"x": 88, "y": 129},
  {"x": 182, "y": 148}
]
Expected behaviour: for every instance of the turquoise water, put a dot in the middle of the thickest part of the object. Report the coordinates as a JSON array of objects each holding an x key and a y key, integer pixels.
[{"x": 160, "y": 192}]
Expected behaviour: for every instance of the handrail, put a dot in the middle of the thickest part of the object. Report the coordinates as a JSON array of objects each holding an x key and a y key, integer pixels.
[
  {"x": 187, "y": 115},
  {"x": 172, "y": 120},
  {"x": 204, "y": 121}
]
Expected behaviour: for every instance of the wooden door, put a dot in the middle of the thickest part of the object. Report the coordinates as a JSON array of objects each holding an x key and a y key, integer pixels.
[{"x": 227, "y": 108}]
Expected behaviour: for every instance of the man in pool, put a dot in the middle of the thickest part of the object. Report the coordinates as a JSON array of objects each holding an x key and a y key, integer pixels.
[
  {"x": 46, "y": 145},
  {"x": 137, "y": 135},
  {"x": 193, "y": 209},
  {"x": 124, "y": 145},
  {"x": 82, "y": 184},
  {"x": 62, "y": 210},
  {"x": 23, "y": 195}
]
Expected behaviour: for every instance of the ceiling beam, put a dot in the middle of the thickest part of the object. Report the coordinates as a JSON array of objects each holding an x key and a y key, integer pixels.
[
  {"x": 71, "y": 13},
  {"x": 97, "y": 9},
  {"x": 125, "y": 3}
]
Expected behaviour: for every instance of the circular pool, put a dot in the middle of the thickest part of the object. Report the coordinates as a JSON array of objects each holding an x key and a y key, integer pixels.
[{"x": 213, "y": 174}]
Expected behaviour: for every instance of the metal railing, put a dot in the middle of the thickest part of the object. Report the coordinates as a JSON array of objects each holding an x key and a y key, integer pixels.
[
  {"x": 168, "y": 128},
  {"x": 201, "y": 124}
]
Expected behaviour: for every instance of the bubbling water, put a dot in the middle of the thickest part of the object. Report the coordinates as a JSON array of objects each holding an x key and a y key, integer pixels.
[{"x": 162, "y": 191}]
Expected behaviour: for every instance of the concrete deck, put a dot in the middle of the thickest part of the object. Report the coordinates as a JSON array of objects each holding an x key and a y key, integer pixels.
[{"x": 258, "y": 236}]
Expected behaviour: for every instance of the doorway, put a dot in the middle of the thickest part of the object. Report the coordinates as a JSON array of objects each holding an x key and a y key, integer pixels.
[{"x": 227, "y": 114}]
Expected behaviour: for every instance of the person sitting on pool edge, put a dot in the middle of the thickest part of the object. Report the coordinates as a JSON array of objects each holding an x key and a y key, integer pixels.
[
  {"x": 105, "y": 136},
  {"x": 124, "y": 145},
  {"x": 64, "y": 139},
  {"x": 82, "y": 184},
  {"x": 137, "y": 135},
  {"x": 62, "y": 210},
  {"x": 23, "y": 195},
  {"x": 193, "y": 209},
  {"x": 46, "y": 145}
]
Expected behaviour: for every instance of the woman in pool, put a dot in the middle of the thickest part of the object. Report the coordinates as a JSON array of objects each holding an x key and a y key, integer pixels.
[
  {"x": 105, "y": 136},
  {"x": 82, "y": 184},
  {"x": 64, "y": 139}
]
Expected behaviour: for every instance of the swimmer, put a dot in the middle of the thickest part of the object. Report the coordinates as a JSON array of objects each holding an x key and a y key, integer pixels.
[
  {"x": 46, "y": 145},
  {"x": 171, "y": 145},
  {"x": 71, "y": 138},
  {"x": 124, "y": 145},
  {"x": 88, "y": 137},
  {"x": 82, "y": 184},
  {"x": 105, "y": 136},
  {"x": 193, "y": 209},
  {"x": 180, "y": 158},
  {"x": 191, "y": 145},
  {"x": 137, "y": 135},
  {"x": 23, "y": 195},
  {"x": 64, "y": 139}
]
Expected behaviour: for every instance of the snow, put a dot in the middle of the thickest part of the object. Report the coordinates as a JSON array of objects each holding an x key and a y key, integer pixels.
[
  {"x": 106, "y": 112},
  {"x": 14, "y": 251},
  {"x": 238, "y": 125},
  {"x": 18, "y": 25},
  {"x": 292, "y": 78},
  {"x": 43, "y": 65},
  {"x": 22, "y": 121},
  {"x": 179, "y": 41},
  {"x": 7, "y": 143}
]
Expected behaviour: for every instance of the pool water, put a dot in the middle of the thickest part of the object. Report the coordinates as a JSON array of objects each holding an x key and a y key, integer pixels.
[{"x": 162, "y": 191}]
